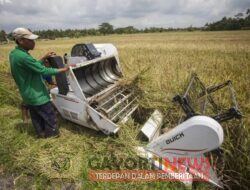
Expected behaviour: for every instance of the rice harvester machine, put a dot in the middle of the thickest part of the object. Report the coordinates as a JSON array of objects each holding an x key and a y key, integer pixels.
[{"x": 92, "y": 94}]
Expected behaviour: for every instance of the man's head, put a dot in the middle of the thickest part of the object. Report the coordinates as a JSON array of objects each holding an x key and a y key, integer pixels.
[{"x": 24, "y": 38}]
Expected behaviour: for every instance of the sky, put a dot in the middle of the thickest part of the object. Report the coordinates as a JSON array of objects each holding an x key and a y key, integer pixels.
[{"x": 80, "y": 14}]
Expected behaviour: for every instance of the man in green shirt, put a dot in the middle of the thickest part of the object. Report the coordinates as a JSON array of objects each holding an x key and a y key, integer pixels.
[{"x": 28, "y": 74}]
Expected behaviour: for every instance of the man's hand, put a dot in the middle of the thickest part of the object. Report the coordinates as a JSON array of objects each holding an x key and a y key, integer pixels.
[
  {"x": 66, "y": 68},
  {"x": 47, "y": 55}
]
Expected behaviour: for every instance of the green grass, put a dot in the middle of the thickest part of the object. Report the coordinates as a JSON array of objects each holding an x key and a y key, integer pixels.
[{"x": 170, "y": 59}]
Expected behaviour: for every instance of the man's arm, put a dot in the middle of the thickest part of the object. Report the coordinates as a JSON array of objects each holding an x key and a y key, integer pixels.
[{"x": 38, "y": 67}]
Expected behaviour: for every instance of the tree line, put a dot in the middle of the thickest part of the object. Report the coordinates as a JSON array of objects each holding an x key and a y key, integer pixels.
[
  {"x": 103, "y": 29},
  {"x": 240, "y": 21}
]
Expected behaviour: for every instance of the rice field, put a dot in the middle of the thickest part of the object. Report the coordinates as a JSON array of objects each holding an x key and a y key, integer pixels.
[{"x": 164, "y": 63}]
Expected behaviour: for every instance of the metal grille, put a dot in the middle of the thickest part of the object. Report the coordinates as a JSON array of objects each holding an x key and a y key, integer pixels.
[{"x": 117, "y": 105}]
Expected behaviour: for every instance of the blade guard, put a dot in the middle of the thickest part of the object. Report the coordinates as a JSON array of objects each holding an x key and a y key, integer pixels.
[{"x": 195, "y": 136}]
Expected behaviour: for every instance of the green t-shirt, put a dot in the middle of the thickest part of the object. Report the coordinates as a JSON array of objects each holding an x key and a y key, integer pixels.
[{"x": 27, "y": 73}]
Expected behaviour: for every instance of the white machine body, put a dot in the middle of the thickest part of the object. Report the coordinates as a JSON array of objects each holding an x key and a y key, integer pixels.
[
  {"x": 96, "y": 98},
  {"x": 197, "y": 135},
  {"x": 190, "y": 139}
]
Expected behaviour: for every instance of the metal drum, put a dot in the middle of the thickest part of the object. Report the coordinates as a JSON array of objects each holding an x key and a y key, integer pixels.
[{"x": 95, "y": 77}]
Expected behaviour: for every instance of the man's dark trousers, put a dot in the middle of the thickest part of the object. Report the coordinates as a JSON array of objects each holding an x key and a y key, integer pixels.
[{"x": 44, "y": 120}]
